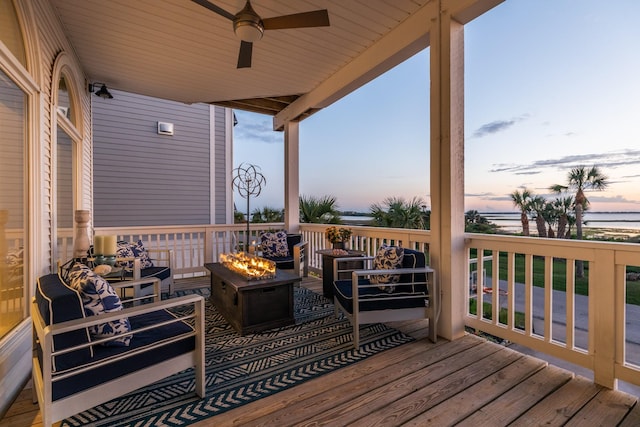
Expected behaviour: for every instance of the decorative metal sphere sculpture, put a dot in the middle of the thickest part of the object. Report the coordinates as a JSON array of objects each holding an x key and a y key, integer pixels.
[{"x": 248, "y": 181}]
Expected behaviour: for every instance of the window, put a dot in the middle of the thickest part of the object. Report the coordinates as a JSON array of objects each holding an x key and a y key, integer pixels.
[
  {"x": 13, "y": 119},
  {"x": 67, "y": 140}
]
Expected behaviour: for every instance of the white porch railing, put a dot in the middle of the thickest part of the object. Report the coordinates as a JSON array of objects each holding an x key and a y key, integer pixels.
[
  {"x": 366, "y": 239},
  {"x": 590, "y": 331},
  {"x": 192, "y": 245}
]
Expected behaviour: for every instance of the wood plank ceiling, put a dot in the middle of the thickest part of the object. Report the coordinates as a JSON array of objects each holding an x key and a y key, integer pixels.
[{"x": 178, "y": 50}]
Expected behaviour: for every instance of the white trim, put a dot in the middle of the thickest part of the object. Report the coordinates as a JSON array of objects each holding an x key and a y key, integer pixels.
[
  {"x": 15, "y": 346},
  {"x": 228, "y": 164},
  {"x": 212, "y": 163},
  {"x": 63, "y": 67}
]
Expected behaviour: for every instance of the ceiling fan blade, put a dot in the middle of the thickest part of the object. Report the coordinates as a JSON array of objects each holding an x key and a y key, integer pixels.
[
  {"x": 212, "y": 7},
  {"x": 316, "y": 18},
  {"x": 244, "y": 56}
]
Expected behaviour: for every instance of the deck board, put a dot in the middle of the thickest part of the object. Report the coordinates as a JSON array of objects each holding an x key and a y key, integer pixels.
[
  {"x": 338, "y": 404},
  {"x": 607, "y": 408},
  {"x": 561, "y": 405},
  {"x": 507, "y": 407},
  {"x": 469, "y": 381},
  {"x": 428, "y": 395},
  {"x": 633, "y": 417},
  {"x": 480, "y": 394}
]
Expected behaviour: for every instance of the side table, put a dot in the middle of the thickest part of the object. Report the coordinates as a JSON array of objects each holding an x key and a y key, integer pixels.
[{"x": 327, "y": 268}]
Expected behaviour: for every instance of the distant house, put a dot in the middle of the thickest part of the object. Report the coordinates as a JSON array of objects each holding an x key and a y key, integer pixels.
[{"x": 159, "y": 162}]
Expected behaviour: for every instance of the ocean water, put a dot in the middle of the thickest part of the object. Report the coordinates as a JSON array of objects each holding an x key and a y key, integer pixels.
[
  {"x": 510, "y": 221},
  {"x": 615, "y": 220}
]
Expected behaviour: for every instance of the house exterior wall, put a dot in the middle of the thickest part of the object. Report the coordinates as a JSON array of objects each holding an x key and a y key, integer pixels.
[{"x": 144, "y": 178}]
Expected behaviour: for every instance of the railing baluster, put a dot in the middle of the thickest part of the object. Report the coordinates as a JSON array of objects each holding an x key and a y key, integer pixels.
[
  {"x": 570, "y": 288},
  {"x": 548, "y": 298},
  {"x": 528, "y": 294},
  {"x": 511, "y": 290}
]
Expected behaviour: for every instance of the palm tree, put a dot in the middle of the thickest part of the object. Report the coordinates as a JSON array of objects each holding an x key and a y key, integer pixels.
[
  {"x": 476, "y": 223},
  {"x": 522, "y": 202},
  {"x": 552, "y": 216},
  {"x": 581, "y": 179},
  {"x": 473, "y": 217},
  {"x": 395, "y": 212},
  {"x": 564, "y": 205},
  {"x": 267, "y": 214},
  {"x": 571, "y": 221},
  {"x": 321, "y": 210},
  {"x": 238, "y": 218},
  {"x": 537, "y": 205}
]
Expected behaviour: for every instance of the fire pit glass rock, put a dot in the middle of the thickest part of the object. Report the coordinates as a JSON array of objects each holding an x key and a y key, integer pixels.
[{"x": 250, "y": 267}]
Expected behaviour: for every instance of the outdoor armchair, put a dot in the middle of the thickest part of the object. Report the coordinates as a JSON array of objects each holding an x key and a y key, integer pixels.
[
  {"x": 288, "y": 251},
  {"x": 406, "y": 291},
  {"x": 74, "y": 369}
]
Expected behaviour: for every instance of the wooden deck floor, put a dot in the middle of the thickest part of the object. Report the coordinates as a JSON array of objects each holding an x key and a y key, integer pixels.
[{"x": 466, "y": 382}]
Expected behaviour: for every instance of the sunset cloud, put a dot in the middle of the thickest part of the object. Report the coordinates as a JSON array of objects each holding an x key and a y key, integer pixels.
[
  {"x": 497, "y": 126},
  {"x": 602, "y": 160}
]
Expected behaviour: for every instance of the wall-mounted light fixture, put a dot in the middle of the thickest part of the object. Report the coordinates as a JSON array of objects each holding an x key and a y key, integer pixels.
[
  {"x": 103, "y": 92},
  {"x": 165, "y": 128}
]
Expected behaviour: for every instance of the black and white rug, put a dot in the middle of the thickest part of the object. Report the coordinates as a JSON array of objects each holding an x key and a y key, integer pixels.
[{"x": 241, "y": 369}]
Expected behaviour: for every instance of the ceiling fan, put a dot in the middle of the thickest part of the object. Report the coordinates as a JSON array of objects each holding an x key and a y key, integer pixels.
[{"x": 249, "y": 27}]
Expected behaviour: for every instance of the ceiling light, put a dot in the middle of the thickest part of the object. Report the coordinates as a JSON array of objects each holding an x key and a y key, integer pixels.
[
  {"x": 103, "y": 92},
  {"x": 247, "y": 24},
  {"x": 248, "y": 31}
]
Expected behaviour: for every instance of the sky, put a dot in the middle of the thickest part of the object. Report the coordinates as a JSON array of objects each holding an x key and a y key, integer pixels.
[{"x": 549, "y": 85}]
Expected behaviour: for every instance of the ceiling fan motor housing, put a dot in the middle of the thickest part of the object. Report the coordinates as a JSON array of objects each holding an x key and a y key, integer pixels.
[{"x": 247, "y": 24}]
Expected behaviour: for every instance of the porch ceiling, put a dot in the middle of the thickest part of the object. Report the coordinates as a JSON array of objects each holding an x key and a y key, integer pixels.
[{"x": 178, "y": 50}]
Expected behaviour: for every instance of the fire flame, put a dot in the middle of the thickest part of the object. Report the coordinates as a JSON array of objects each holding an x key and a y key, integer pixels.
[{"x": 249, "y": 266}]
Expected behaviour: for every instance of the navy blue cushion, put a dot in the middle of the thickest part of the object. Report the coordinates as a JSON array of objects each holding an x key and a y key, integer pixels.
[
  {"x": 285, "y": 263},
  {"x": 292, "y": 240},
  {"x": 59, "y": 303},
  {"x": 413, "y": 259},
  {"x": 372, "y": 298},
  {"x": 140, "y": 340},
  {"x": 403, "y": 296}
]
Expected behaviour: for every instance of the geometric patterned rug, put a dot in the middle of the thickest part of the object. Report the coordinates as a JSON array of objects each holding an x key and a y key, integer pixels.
[{"x": 241, "y": 369}]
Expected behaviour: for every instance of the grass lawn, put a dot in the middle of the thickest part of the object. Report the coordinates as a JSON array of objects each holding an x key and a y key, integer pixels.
[
  {"x": 559, "y": 275},
  {"x": 502, "y": 316}
]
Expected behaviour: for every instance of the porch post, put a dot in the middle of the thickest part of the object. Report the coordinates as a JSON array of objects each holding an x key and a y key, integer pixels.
[
  {"x": 291, "y": 177},
  {"x": 447, "y": 170}
]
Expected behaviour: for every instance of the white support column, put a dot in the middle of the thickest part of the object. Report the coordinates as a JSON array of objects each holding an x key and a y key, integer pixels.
[
  {"x": 291, "y": 177},
  {"x": 228, "y": 123},
  {"x": 447, "y": 170}
]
